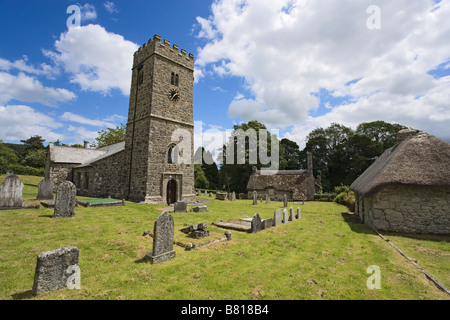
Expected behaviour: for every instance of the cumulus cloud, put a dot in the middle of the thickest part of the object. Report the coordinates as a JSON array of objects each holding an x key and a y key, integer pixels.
[
  {"x": 13, "y": 118},
  {"x": 68, "y": 116},
  {"x": 96, "y": 59},
  {"x": 88, "y": 12},
  {"x": 28, "y": 89},
  {"x": 289, "y": 51},
  {"x": 110, "y": 7}
]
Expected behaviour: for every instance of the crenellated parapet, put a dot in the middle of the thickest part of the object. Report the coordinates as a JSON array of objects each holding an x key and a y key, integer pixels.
[{"x": 165, "y": 50}]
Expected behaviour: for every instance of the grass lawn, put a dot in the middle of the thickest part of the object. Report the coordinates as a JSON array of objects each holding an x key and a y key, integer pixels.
[{"x": 325, "y": 255}]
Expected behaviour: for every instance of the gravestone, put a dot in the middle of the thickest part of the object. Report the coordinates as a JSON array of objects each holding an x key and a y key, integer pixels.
[
  {"x": 65, "y": 200},
  {"x": 299, "y": 213},
  {"x": 256, "y": 224},
  {"x": 57, "y": 269},
  {"x": 162, "y": 239},
  {"x": 233, "y": 196},
  {"x": 285, "y": 216},
  {"x": 11, "y": 192},
  {"x": 276, "y": 218},
  {"x": 45, "y": 190},
  {"x": 200, "y": 209},
  {"x": 206, "y": 193},
  {"x": 291, "y": 214},
  {"x": 267, "y": 199},
  {"x": 221, "y": 195},
  {"x": 180, "y": 206},
  {"x": 266, "y": 223},
  {"x": 228, "y": 235},
  {"x": 255, "y": 200},
  {"x": 210, "y": 194},
  {"x": 285, "y": 201}
]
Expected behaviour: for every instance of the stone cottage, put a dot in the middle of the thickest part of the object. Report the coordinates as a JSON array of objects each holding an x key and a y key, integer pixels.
[
  {"x": 155, "y": 163},
  {"x": 407, "y": 189},
  {"x": 296, "y": 184}
]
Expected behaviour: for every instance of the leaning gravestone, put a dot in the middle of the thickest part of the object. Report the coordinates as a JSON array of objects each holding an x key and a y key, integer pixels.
[
  {"x": 276, "y": 217},
  {"x": 285, "y": 216},
  {"x": 45, "y": 189},
  {"x": 162, "y": 239},
  {"x": 57, "y": 269},
  {"x": 65, "y": 200},
  {"x": 11, "y": 192},
  {"x": 255, "y": 200},
  {"x": 180, "y": 206},
  {"x": 256, "y": 224}
]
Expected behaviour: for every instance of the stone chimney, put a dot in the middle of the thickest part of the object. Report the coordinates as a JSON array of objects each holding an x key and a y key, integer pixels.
[
  {"x": 309, "y": 161},
  {"x": 86, "y": 144}
]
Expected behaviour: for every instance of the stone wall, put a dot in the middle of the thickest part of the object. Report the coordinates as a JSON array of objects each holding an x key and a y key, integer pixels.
[
  {"x": 60, "y": 172},
  {"x": 107, "y": 177},
  {"x": 407, "y": 209}
]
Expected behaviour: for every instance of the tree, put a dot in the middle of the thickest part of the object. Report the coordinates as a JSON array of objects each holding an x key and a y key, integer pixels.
[
  {"x": 200, "y": 180},
  {"x": 290, "y": 155},
  {"x": 381, "y": 132},
  {"x": 234, "y": 176},
  {"x": 35, "y": 158},
  {"x": 110, "y": 136},
  {"x": 7, "y": 156}
]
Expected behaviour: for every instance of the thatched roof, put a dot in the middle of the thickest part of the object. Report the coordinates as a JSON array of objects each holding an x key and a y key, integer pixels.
[
  {"x": 287, "y": 180},
  {"x": 421, "y": 160}
]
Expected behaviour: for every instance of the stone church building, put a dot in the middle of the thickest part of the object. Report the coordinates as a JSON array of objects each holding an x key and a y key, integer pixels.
[
  {"x": 407, "y": 189},
  {"x": 149, "y": 166}
]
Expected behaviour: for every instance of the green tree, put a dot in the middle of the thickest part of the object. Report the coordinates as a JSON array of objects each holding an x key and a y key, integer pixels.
[
  {"x": 209, "y": 167},
  {"x": 35, "y": 158},
  {"x": 7, "y": 156},
  {"x": 234, "y": 176},
  {"x": 290, "y": 155},
  {"x": 110, "y": 136},
  {"x": 200, "y": 180}
]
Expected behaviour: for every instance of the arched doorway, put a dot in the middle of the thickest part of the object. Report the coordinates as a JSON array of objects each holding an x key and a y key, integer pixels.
[{"x": 171, "y": 192}]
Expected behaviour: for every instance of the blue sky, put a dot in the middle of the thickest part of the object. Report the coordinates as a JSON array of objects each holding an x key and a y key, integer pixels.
[{"x": 294, "y": 65}]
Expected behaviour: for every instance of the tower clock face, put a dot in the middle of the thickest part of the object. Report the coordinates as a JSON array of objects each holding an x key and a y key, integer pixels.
[{"x": 174, "y": 95}]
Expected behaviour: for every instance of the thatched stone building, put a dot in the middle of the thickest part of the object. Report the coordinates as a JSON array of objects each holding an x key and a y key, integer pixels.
[
  {"x": 407, "y": 189},
  {"x": 297, "y": 185}
]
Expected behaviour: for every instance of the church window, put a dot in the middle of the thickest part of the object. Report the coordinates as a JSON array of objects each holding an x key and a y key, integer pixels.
[
  {"x": 140, "y": 77},
  {"x": 172, "y": 155},
  {"x": 174, "y": 79}
]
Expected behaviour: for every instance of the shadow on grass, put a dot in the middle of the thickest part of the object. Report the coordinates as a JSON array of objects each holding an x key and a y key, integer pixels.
[
  {"x": 46, "y": 216},
  {"x": 418, "y": 236},
  {"x": 355, "y": 223},
  {"x": 22, "y": 295}
]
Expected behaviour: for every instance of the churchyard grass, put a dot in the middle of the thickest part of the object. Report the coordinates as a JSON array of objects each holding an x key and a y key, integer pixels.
[{"x": 324, "y": 255}]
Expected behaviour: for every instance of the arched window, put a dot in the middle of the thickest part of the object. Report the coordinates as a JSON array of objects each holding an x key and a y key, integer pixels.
[
  {"x": 172, "y": 79},
  {"x": 176, "y": 80},
  {"x": 172, "y": 155}
]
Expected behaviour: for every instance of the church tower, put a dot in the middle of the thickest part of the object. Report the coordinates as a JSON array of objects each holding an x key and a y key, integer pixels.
[{"x": 160, "y": 130}]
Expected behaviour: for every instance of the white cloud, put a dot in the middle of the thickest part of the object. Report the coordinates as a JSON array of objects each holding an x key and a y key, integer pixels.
[
  {"x": 27, "y": 89},
  {"x": 23, "y": 65},
  {"x": 88, "y": 12},
  {"x": 19, "y": 122},
  {"x": 110, "y": 7},
  {"x": 97, "y": 60},
  {"x": 68, "y": 116},
  {"x": 288, "y": 50}
]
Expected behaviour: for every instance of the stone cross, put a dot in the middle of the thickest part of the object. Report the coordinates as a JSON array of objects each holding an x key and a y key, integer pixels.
[
  {"x": 285, "y": 201},
  {"x": 162, "y": 239},
  {"x": 57, "y": 269},
  {"x": 11, "y": 191},
  {"x": 255, "y": 200},
  {"x": 299, "y": 213},
  {"x": 291, "y": 214},
  {"x": 285, "y": 216},
  {"x": 256, "y": 224},
  {"x": 45, "y": 189},
  {"x": 65, "y": 200},
  {"x": 276, "y": 217}
]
